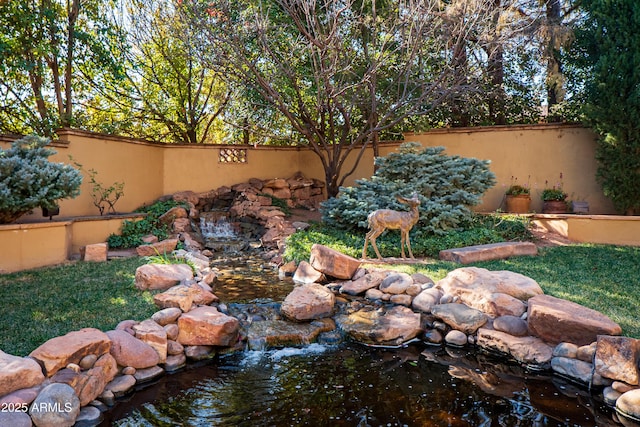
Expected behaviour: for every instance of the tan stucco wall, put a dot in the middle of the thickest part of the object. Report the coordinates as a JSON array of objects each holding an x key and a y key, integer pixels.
[
  {"x": 25, "y": 246},
  {"x": 532, "y": 154},
  {"x": 603, "y": 229}
]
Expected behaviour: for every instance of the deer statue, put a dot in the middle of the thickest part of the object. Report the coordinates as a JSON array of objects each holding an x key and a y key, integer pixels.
[{"x": 383, "y": 219}]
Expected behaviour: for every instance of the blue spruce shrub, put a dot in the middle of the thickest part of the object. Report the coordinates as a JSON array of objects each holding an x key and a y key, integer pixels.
[
  {"x": 447, "y": 187},
  {"x": 29, "y": 180}
]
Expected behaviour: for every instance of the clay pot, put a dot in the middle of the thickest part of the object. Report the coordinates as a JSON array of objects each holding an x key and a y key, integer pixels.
[
  {"x": 554, "y": 207},
  {"x": 518, "y": 204}
]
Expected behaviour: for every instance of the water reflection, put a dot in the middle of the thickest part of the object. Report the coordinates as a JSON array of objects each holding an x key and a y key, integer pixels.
[{"x": 352, "y": 385}]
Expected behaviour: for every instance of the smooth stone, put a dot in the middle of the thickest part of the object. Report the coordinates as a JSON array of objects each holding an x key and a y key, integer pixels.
[
  {"x": 148, "y": 374},
  {"x": 89, "y": 416},
  {"x": 566, "y": 349},
  {"x": 456, "y": 338},
  {"x": 121, "y": 385},
  {"x": 511, "y": 325},
  {"x": 175, "y": 362},
  {"x": 56, "y": 405},
  {"x": 628, "y": 405}
]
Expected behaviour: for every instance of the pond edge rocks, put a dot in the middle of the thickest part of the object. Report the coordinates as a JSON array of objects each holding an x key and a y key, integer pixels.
[{"x": 495, "y": 312}]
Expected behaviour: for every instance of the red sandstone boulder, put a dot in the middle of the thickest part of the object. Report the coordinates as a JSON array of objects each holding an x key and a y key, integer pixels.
[
  {"x": 159, "y": 248},
  {"x": 207, "y": 326},
  {"x": 333, "y": 263},
  {"x": 58, "y": 352},
  {"x": 617, "y": 358},
  {"x": 92, "y": 382},
  {"x": 305, "y": 274},
  {"x": 95, "y": 252},
  {"x": 364, "y": 283},
  {"x": 312, "y": 301},
  {"x": 396, "y": 326},
  {"x": 180, "y": 296},
  {"x": 18, "y": 372},
  {"x": 556, "y": 320},
  {"x": 460, "y": 317},
  {"x": 153, "y": 334},
  {"x": 162, "y": 276},
  {"x": 128, "y": 350},
  {"x": 526, "y": 350}
]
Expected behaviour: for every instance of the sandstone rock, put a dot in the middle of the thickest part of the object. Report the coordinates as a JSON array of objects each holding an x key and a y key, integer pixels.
[
  {"x": 628, "y": 405},
  {"x": 307, "y": 302},
  {"x": 153, "y": 334},
  {"x": 586, "y": 352},
  {"x": 556, "y": 320},
  {"x": 511, "y": 325},
  {"x": 622, "y": 387},
  {"x": 191, "y": 242},
  {"x": 199, "y": 352},
  {"x": 333, "y": 263},
  {"x": 402, "y": 299},
  {"x": 23, "y": 396},
  {"x": 617, "y": 358},
  {"x": 573, "y": 368},
  {"x": 88, "y": 361},
  {"x": 175, "y": 362},
  {"x": 17, "y": 373},
  {"x": 495, "y": 293},
  {"x": 432, "y": 336},
  {"x": 172, "y": 331},
  {"x": 181, "y": 225},
  {"x": 202, "y": 296},
  {"x": 128, "y": 350},
  {"x": 460, "y": 317},
  {"x": 422, "y": 280},
  {"x": 166, "y": 316},
  {"x": 95, "y": 252},
  {"x": 159, "y": 248},
  {"x": 180, "y": 297},
  {"x": 526, "y": 350},
  {"x": 456, "y": 338},
  {"x": 396, "y": 283},
  {"x": 364, "y": 283},
  {"x": 121, "y": 385},
  {"x": 488, "y": 252},
  {"x": 610, "y": 396},
  {"x": 280, "y": 333},
  {"x": 162, "y": 276},
  {"x": 427, "y": 299},
  {"x": 58, "y": 352},
  {"x": 177, "y": 212},
  {"x": 56, "y": 406},
  {"x": 127, "y": 326},
  {"x": 89, "y": 416},
  {"x": 287, "y": 270},
  {"x": 15, "y": 419},
  {"x": 374, "y": 294},
  {"x": 92, "y": 382},
  {"x": 148, "y": 374},
  {"x": 306, "y": 274},
  {"x": 174, "y": 347},
  {"x": 186, "y": 196},
  {"x": 207, "y": 326},
  {"x": 566, "y": 349},
  {"x": 393, "y": 327}
]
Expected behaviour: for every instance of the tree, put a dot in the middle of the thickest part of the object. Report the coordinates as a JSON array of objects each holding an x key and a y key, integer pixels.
[
  {"x": 41, "y": 44},
  {"x": 339, "y": 71},
  {"x": 609, "y": 41}
]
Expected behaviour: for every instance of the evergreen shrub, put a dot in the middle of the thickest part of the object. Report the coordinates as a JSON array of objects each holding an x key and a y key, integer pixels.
[
  {"x": 446, "y": 185},
  {"x": 29, "y": 180}
]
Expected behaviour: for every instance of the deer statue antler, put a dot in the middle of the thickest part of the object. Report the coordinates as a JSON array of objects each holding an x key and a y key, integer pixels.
[{"x": 383, "y": 219}]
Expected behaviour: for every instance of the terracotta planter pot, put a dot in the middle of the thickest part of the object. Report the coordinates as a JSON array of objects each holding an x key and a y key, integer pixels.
[
  {"x": 518, "y": 204},
  {"x": 554, "y": 207}
]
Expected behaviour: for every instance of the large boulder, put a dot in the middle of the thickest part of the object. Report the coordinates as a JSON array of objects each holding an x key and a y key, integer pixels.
[
  {"x": 617, "y": 358},
  {"x": 207, "y": 326},
  {"x": 333, "y": 263},
  {"x": 159, "y": 248},
  {"x": 18, "y": 372},
  {"x": 180, "y": 297},
  {"x": 556, "y": 320},
  {"x": 56, "y": 406},
  {"x": 130, "y": 351},
  {"x": 150, "y": 332},
  {"x": 58, "y": 352},
  {"x": 308, "y": 302},
  {"x": 495, "y": 293},
  {"x": 526, "y": 350},
  {"x": 394, "y": 327},
  {"x": 628, "y": 405},
  {"x": 460, "y": 317},
  {"x": 491, "y": 251},
  {"x": 363, "y": 284},
  {"x": 306, "y": 274},
  {"x": 162, "y": 276}
]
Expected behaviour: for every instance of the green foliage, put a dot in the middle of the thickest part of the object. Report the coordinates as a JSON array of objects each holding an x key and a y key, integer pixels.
[
  {"x": 609, "y": 41},
  {"x": 103, "y": 197},
  {"x": 446, "y": 185},
  {"x": 167, "y": 259},
  {"x": 516, "y": 190},
  {"x": 28, "y": 179},
  {"x": 132, "y": 232},
  {"x": 279, "y": 203}
]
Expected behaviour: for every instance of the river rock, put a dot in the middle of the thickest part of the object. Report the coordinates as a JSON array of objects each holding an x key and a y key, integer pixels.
[
  {"x": 427, "y": 299},
  {"x": 512, "y": 325},
  {"x": 148, "y": 374},
  {"x": 128, "y": 350},
  {"x": 401, "y": 299},
  {"x": 280, "y": 333},
  {"x": 15, "y": 419},
  {"x": 89, "y": 416},
  {"x": 617, "y": 358},
  {"x": 333, "y": 263},
  {"x": 566, "y": 349},
  {"x": 495, "y": 293},
  {"x": 207, "y": 326},
  {"x": 175, "y": 362},
  {"x": 172, "y": 214},
  {"x": 174, "y": 347},
  {"x": 22, "y": 396},
  {"x": 394, "y": 327},
  {"x": 526, "y": 350},
  {"x": 153, "y": 334},
  {"x": 172, "y": 331},
  {"x": 396, "y": 283},
  {"x": 162, "y": 276},
  {"x": 556, "y": 320},
  {"x": 166, "y": 316},
  {"x": 307, "y": 302},
  {"x": 159, "y": 248},
  {"x": 374, "y": 294},
  {"x": 58, "y": 352},
  {"x": 18, "y": 372},
  {"x": 306, "y": 274},
  {"x": 56, "y": 406},
  {"x": 587, "y": 352},
  {"x": 121, "y": 385},
  {"x": 572, "y": 368},
  {"x": 460, "y": 317},
  {"x": 92, "y": 382},
  {"x": 364, "y": 283},
  {"x": 199, "y": 352},
  {"x": 456, "y": 338},
  {"x": 628, "y": 405},
  {"x": 180, "y": 296}
]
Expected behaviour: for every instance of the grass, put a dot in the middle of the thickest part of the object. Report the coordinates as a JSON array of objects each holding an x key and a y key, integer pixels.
[{"x": 44, "y": 303}]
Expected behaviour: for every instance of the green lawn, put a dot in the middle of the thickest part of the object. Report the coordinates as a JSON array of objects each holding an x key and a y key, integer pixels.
[{"x": 48, "y": 302}]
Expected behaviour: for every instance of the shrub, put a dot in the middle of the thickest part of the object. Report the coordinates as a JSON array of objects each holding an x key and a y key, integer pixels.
[
  {"x": 132, "y": 232},
  {"x": 29, "y": 180},
  {"x": 446, "y": 185}
]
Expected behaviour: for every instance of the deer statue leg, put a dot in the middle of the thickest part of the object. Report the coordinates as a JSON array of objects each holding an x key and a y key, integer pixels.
[
  {"x": 371, "y": 235},
  {"x": 375, "y": 247},
  {"x": 408, "y": 242},
  {"x": 402, "y": 240}
]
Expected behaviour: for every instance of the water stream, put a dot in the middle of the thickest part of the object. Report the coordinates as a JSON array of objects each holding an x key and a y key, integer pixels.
[{"x": 349, "y": 384}]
